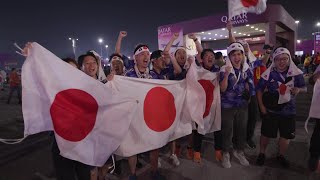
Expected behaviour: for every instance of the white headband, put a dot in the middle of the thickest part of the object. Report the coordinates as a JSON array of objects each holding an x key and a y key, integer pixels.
[{"x": 142, "y": 49}]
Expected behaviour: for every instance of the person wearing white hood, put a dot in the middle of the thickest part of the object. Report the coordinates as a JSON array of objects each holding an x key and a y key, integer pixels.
[
  {"x": 276, "y": 92},
  {"x": 236, "y": 84},
  {"x": 90, "y": 64},
  {"x": 100, "y": 73},
  {"x": 257, "y": 66}
]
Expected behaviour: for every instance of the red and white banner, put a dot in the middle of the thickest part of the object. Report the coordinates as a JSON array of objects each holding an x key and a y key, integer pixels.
[
  {"x": 208, "y": 83},
  {"x": 160, "y": 115},
  {"x": 237, "y": 7},
  {"x": 89, "y": 120}
]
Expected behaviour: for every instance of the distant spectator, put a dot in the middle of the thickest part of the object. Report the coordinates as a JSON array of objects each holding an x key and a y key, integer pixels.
[
  {"x": 307, "y": 62},
  {"x": 15, "y": 85}
]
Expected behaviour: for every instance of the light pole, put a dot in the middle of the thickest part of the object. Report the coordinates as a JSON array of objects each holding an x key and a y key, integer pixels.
[
  {"x": 106, "y": 50},
  {"x": 100, "y": 40},
  {"x": 297, "y": 22},
  {"x": 73, "y": 40}
]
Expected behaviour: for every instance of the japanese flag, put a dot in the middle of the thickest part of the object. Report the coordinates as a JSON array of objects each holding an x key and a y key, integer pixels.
[
  {"x": 208, "y": 84},
  {"x": 159, "y": 118},
  {"x": 89, "y": 120},
  {"x": 237, "y": 7},
  {"x": 285, "y": 91}
]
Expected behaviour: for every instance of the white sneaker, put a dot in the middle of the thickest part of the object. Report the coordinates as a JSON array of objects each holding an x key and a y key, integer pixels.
[
  {"x": 159, "y": 162},
  {"x": 175, "y": 159},
  {"x": 226, "y": 160},
  {"x": 241, "y": 157}
]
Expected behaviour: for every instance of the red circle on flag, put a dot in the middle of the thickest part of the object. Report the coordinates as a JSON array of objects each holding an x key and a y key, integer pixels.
[
  {"x": 159, "y": 109},
  {"x": 248, "y": 3},
  {"x": 73, "y": 113},
  {"x": 208, "y": 88},
  {"x": 282, "y": 89}
]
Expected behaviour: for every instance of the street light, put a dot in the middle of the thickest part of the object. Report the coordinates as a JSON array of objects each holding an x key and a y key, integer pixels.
[
  {"x": 298, "y": 41},
  {"x": 74, "y": 45}
]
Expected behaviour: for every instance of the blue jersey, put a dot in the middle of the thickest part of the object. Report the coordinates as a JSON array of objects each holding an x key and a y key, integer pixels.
[
  {"x": 232, "y": 97},
  {"x": 162, "y": 75},
  {"x": 179, "y": 76},
  {"x": 214, "y": 68},
  {"x": 132, "y": 73},
  {"x": 128, "y": 64},
  {"x": 272, "y": 86}
]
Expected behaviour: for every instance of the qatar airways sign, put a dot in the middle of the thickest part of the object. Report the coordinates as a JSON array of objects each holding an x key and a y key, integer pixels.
[{"x": 239, "y": 19}]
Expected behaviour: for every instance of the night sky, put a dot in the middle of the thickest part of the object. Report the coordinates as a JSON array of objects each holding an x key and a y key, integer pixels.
[{"x": 50, "y": 23}]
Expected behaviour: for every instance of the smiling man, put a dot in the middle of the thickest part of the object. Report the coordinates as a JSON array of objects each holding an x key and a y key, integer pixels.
[{"x": 142, "y": 58}]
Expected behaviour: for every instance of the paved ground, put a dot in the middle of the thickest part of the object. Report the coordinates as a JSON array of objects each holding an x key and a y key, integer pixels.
[{"x": 31, "y": 159}]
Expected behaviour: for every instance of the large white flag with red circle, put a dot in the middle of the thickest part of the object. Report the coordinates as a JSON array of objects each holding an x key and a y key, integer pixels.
[
  {"x": 208, "y": 87},
  {"x": 89, "y": 120},
  {"x": 159, "y": 118},
  {"x": 237, "y": 7}
]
